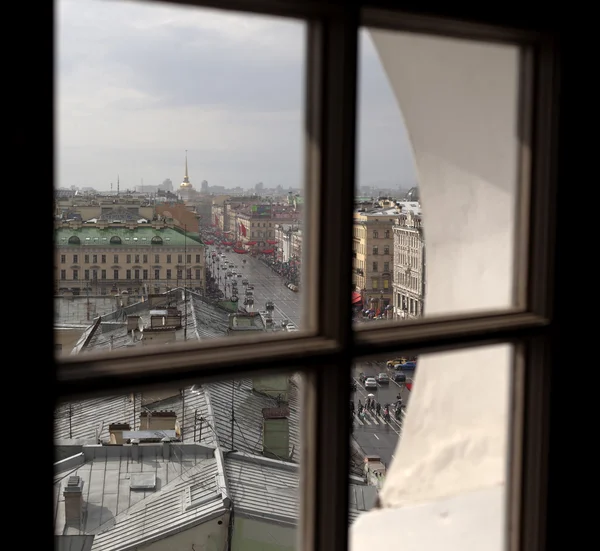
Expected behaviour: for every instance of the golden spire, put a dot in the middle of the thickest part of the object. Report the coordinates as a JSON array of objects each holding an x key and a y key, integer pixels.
[{"x": 186, "y": 180}]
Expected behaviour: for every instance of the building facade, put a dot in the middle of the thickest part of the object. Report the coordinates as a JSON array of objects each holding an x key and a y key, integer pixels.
[
  {"x": 373, "y": 255},
  {"x": 409, "y": 267},
  {"x": 141, "y": 258},
  {"x": 289, "y": 242}
]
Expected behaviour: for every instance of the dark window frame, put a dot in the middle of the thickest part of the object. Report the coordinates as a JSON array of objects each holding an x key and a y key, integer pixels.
[{"x": 324, "y": 353}]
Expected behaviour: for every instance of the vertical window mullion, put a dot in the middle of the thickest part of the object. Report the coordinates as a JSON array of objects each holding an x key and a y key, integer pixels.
[{"x": 331, "y": 144}]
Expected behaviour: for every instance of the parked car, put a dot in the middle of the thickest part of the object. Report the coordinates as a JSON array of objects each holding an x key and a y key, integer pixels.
[
  {"x": 383, "y": 379},
  {"x": 250, "y": 287},
  {"x": 240, "y": 275},
  {"x": 370, "y": 382},
  {"x": 244, "y": 282},
  {"x": 399, "y": 377}
]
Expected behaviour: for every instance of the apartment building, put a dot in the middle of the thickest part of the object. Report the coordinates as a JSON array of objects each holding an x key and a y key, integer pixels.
[
  {"x": 141, "y": 258},
  {"x": 373, "y": 253},
  {"x": 409, "y": 266},
  {"x": 289, "y": 242}
]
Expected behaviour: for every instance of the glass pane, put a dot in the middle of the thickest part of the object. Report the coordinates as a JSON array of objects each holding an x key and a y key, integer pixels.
[
  {"x": 434, "y": 223},
  {"x": 179, "y": 194},
  {"x": 437, "y": 426},
  {"x": 169, "y": 469}
]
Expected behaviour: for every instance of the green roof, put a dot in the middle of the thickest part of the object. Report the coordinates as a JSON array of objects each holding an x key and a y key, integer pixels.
[{"x": 91, "y": 235}]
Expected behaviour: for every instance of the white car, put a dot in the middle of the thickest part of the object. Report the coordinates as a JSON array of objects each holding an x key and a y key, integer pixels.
[{"x": 370, "y": 382}]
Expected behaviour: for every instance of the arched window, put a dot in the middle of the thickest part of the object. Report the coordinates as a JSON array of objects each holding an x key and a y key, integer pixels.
[
  {"x": 74, "y": 240},
  {"x": 156, "y": 240},
  {"x": 115, "y": 240}
]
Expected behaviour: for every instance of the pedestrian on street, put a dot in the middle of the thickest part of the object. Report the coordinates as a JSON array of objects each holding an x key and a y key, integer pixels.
[{"x": 378, "y": 408}]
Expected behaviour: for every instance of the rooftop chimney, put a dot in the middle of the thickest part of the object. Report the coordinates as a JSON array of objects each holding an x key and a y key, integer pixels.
[
  {"x": 73, "y": 493},
  {"x": 276, "y": 433},
  {"x": 135, "y": 449},
  {"x": 275, "y": 386},
  {"x": 158, "y": 420},
  {"x": 166, "y": 444},
  {"x": 133, "y": 323},
  {"x": 116, "y": 432}
]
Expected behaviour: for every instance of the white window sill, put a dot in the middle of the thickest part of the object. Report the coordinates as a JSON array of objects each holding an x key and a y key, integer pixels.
[{"x": 472, "y": 521}]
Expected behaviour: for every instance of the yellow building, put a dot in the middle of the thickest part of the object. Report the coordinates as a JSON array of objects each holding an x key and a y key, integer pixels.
[
  {"x": 140, "y": 258},
  {"x": 373, "y": 254}
]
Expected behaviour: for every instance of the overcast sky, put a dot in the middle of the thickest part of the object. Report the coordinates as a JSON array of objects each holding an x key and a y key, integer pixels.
[{"x": 139, "y": 84}]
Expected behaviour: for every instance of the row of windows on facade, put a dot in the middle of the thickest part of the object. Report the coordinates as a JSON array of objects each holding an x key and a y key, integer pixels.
[
  {"x": 408, "y": 281},
  {"x": 409, "y": 241},
  {"x": 375, "y": 284},
  {"x": 412, "y": 261},
  {"x": 93, "y": 274},
  {"x": 386, "y": 266},
  {"x": 386, "y": 233},
  {"x": 219, "y": 214},
  {"x": 135, "y": 258},
  {"x": 361, "y": 249}
]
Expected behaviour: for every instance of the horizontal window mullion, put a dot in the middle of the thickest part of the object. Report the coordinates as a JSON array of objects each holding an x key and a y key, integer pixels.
[
  {"x": 431, "y": 335},
  {"x": 382, "y": 17},
  {"x": 306, "y": 9},
  {"x": 102, "y": 373}
]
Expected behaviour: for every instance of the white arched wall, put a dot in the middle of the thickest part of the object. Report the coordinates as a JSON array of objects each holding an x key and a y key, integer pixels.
[{"x": 459, "y": 102}]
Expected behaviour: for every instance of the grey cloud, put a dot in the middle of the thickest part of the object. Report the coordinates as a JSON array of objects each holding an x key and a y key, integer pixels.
[{"x": 184, "y": 67}]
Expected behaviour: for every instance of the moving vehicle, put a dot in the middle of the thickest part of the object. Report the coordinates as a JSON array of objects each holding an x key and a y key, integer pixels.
[
  {"x": 399, "y": 377},
  {"x": 250, "y": 287},
  {"x": 383, "y": 379},
  {"x": 370, "y": 382},
  {"x": 244, "y": 282},
  {"x": 374, "y": 471},
  {"x": 392, "y": 363},
  {"x": 406, "y": 366}
]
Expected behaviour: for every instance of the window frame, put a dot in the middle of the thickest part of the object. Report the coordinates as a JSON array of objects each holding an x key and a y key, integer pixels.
[{"x": 329, "y": 349}]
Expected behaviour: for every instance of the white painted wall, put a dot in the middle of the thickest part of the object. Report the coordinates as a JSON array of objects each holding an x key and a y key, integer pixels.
[{"x": 446, "y": 486}]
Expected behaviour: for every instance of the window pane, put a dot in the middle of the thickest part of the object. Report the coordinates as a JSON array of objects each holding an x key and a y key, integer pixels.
[
  {"x": 437, "y": 176},
  {"x": 438, "y": 427},
  {"x": 179, "y": 194},
  {"x": 184, "y": 460}
]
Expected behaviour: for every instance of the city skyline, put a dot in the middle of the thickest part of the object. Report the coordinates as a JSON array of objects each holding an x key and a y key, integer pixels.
[{"x": 126, "y": 109}]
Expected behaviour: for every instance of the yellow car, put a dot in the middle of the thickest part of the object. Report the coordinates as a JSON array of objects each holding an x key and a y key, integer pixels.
[{"x": 392, "y": 363}]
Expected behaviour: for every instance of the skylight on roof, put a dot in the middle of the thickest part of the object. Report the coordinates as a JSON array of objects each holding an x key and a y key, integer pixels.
[
  {"x": 87, "y": 238},
  {"x": 135, "y": 238}
]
